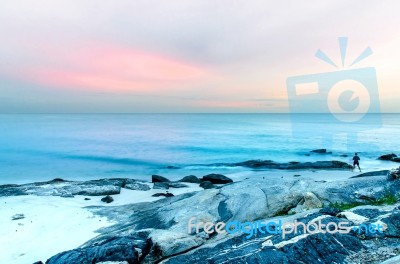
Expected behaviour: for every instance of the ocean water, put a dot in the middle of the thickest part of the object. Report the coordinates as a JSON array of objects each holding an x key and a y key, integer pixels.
[{"x": 93, "y": 146}]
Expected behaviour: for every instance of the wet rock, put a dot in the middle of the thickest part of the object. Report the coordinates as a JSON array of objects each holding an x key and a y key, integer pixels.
[
  {"x": 388, "y": 156},
  {"x": 158, "y": 178},
  {"x": 107, "y": 199},
  {"x": 207, "y": 185},
  {"x": 217, "y": 178},
  {"x": 190, "y": 179}
]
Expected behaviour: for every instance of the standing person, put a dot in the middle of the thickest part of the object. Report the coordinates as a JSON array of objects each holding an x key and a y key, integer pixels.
[{"x": 356, "y": 161}]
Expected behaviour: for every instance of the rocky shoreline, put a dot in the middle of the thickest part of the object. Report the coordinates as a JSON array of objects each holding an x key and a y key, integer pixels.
[{"x": 157, "y": 232}]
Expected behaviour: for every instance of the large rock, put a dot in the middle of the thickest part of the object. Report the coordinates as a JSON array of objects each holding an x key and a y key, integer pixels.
[
  {"x": 158, "y": 178},
  {"x": 311, "y": 201},
  {"x": 165, "y": 222},
  {"x": 59, "y": 187},
  {"x": 387, "y": 156},
  {"x": 217, "y": 178},
  {"x": 190, "y": 179},
  {"x": 126, "y": 248}
]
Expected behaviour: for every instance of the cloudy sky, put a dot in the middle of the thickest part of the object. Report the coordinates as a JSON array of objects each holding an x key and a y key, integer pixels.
[{"x": 74, "y": 56}]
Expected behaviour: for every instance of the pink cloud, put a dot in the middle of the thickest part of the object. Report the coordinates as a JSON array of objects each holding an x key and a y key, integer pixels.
[{"x": 108, "y": 67}]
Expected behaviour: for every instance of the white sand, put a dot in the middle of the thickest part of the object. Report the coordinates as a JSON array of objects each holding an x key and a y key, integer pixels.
[{"x": 54, "y": 224}]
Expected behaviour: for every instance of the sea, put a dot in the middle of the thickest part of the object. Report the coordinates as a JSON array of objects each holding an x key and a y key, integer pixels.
[{"x": 41, "y": 147}]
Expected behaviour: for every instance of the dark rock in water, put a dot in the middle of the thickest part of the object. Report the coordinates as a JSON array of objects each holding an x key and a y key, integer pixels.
[
  {"x": 158, "y": 178},
  {"x": 217, "y": 178},
  {"x": 17, "y": 217},
  {"x": 38, "y": 262},
  {"x": 163, "y": 194},
  {"x": 396, "y": 159},
  {"x": 190, "y": 179},
  {"x": 372, "y": 173},
  {"x": 107, "y": 199},
  {"x": 87, "y": 199},
  {"x": 160, "y": 185},
  {"x": 110, "y": 249},
  {"x": 330, "y": 211},
  {"x": 344, "y": 155},
  {"x": 257, "y": 163},
  {"x": 268, "y": 164},
  {"x": 296, "y": 175},
  {"x": 320, "y": 151},
  {"x": 172, "y": 167},
  {"x": 207, "y": 185},
  {"x": 387, "y": 157}
]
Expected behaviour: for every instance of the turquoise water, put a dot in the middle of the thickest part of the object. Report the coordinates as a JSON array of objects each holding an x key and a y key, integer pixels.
[{"x": 42, "y": 147}]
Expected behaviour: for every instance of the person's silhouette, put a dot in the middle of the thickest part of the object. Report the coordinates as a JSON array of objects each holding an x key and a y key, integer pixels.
[{"x": 356, "y": 161}]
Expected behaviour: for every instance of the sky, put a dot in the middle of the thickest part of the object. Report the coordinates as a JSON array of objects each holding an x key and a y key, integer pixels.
[{"x": 130, "y": 56}]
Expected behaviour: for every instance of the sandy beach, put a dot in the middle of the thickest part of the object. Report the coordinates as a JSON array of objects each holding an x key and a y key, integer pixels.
[{"x": 54, "y": 224}]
